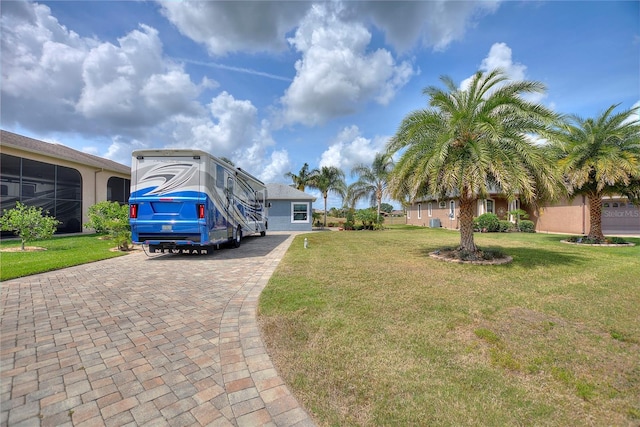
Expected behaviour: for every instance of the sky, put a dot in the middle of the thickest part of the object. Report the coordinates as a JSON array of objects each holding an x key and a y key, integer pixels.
[{"x": 274, "y": 85}]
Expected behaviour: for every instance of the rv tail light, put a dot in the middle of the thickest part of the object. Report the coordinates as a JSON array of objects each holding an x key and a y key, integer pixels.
[
  {"x": 200, "y": 211},
  {"x": 133, "y": 211}
]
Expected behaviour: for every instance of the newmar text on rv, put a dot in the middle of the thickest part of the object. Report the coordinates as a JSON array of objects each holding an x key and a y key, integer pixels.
[{"x": 191, "y": 201}]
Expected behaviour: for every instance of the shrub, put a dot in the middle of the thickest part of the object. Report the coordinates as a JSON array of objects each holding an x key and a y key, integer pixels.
[
  {"x": 368, "y": 218},
  {"x": 112, "y": 218},
  {"x": 28, "y": 223},
  {"x": 504, "y": 226},
  {"x": 488, "y": 222},
  {"x": 615, "y": 240},
  {"x": 586, "y": 240},
  {"x": 491, "y": 254},
  {"x": 101, "y": 213},
  {"x": 527, "y": 226}
]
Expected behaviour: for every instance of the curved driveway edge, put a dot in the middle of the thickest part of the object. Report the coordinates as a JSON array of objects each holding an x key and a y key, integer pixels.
[{"x": 136, "y": 340}]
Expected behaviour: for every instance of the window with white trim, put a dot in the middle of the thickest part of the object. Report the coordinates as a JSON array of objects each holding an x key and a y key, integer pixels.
[
  {"x": 419, "y": 210},
  {"x": 300, "y": 212},
  {"x": 430, "y": 209},
  {"x": 452, "y": 209},
  {"x": 489, "y": 206}
]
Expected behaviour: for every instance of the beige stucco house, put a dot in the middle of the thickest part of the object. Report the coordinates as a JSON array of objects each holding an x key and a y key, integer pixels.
[{"x": 59, "y": 179}]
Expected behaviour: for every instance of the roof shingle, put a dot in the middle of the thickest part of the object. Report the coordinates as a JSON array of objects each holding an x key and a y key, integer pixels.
[
  {"x": 59, "y": 151},
  {"x": 286, "y": 192}
]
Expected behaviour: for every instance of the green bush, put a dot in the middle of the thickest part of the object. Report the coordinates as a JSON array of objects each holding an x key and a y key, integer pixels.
[
  {"x": 101, "y": 213},
  {"x": 527, "y": 226},
  {"x": 112, "y": 218},
  {"x": 367, "y": 217},
  {"x": 615, "y": 240},
  {"x": 488, "y": 222},
  {"x": 505, "y": 226}
]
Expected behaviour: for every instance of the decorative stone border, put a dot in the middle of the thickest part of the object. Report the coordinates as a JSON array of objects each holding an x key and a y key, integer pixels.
[
  {"x": 598, "y": 244},
  {"x": 498, "y": 261}
]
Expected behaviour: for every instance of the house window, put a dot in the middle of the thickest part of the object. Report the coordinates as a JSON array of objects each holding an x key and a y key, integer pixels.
[
  {"x": 300, "y": 212},
  {"x": 118, "y": 190},
  {"x": 430, "y": 209},
  {"x": 490, "y": 206},
  {"x": 409, "y": 211},
  {"x": 419, "y": 210},
  {"x": 452, "y": 209},
  {"x": 442, "y": 205}
]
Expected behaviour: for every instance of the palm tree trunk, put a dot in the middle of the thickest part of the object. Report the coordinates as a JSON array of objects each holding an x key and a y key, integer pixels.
[
  {"x": 595, "y": 217},
  {"x": 325, "y": 211},
  {"x": 466, "y": 225}
]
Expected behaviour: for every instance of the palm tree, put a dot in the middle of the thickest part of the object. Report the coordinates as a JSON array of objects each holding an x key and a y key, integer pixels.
[
  {"x": 599, "y": 156},
  {"x": 473, "y": 141},
  {"x": 373, "y": 180},
  {"x": 304, "y": 177},
  {"x": 329, "y": 179}
]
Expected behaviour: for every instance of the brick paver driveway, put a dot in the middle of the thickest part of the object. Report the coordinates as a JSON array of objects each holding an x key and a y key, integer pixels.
[{"x": 168, "y": 340}]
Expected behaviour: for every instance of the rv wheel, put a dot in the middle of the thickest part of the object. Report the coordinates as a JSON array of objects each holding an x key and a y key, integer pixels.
[{"x": 238, "y": 238}]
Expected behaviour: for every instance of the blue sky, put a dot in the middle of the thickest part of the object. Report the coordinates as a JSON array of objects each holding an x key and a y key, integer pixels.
[{"x": 272, "y": 85}]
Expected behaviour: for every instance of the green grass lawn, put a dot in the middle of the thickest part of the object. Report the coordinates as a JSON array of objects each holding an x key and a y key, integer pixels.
[
  {"x": 60, "y": 252},
  {"x": 366, "y": 329}
]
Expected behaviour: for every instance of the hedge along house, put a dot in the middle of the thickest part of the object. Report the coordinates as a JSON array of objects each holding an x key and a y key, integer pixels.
[
  {"x": 58, "y": 179},
  {"x": 290, "y": 209}
]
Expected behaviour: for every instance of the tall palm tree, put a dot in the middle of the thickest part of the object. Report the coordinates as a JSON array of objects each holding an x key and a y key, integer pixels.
[
  {"x": 474, "y": 140},
  {"x": 599, "y": 156},
  {"x": 329, "y": 179},
  {"x": 373, "y": 180},
  {"x": 304, "y": 177}
]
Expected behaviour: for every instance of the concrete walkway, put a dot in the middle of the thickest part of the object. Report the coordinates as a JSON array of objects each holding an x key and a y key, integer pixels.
[{"x": 170, "y": 340}]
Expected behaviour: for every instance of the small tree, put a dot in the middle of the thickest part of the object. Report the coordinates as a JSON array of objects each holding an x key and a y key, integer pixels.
[
  {"x": 112, "y": 218},
  {"x": 29, "y": 223}
]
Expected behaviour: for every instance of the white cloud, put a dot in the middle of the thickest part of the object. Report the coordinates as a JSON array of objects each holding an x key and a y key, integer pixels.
[
  {"x": 67, "y": 83},
  {"x": 500, "y": 56},
  {"x": 275, "y": 170},
  {"x": 233, "y": 26},
  {"x": 435, "y": 23},
  {"x": 350, "y": 148},
  {"x": 225, "y": 26},
  {"x": 120, "y": 149},
  {"x": 337, "y": 74},
  {"x": 132, "y": 85},
  {"x": 232, "y": 129}
]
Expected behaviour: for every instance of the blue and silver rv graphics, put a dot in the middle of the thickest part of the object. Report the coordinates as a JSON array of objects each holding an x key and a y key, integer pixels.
[{"x": 190, "y": 200}]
